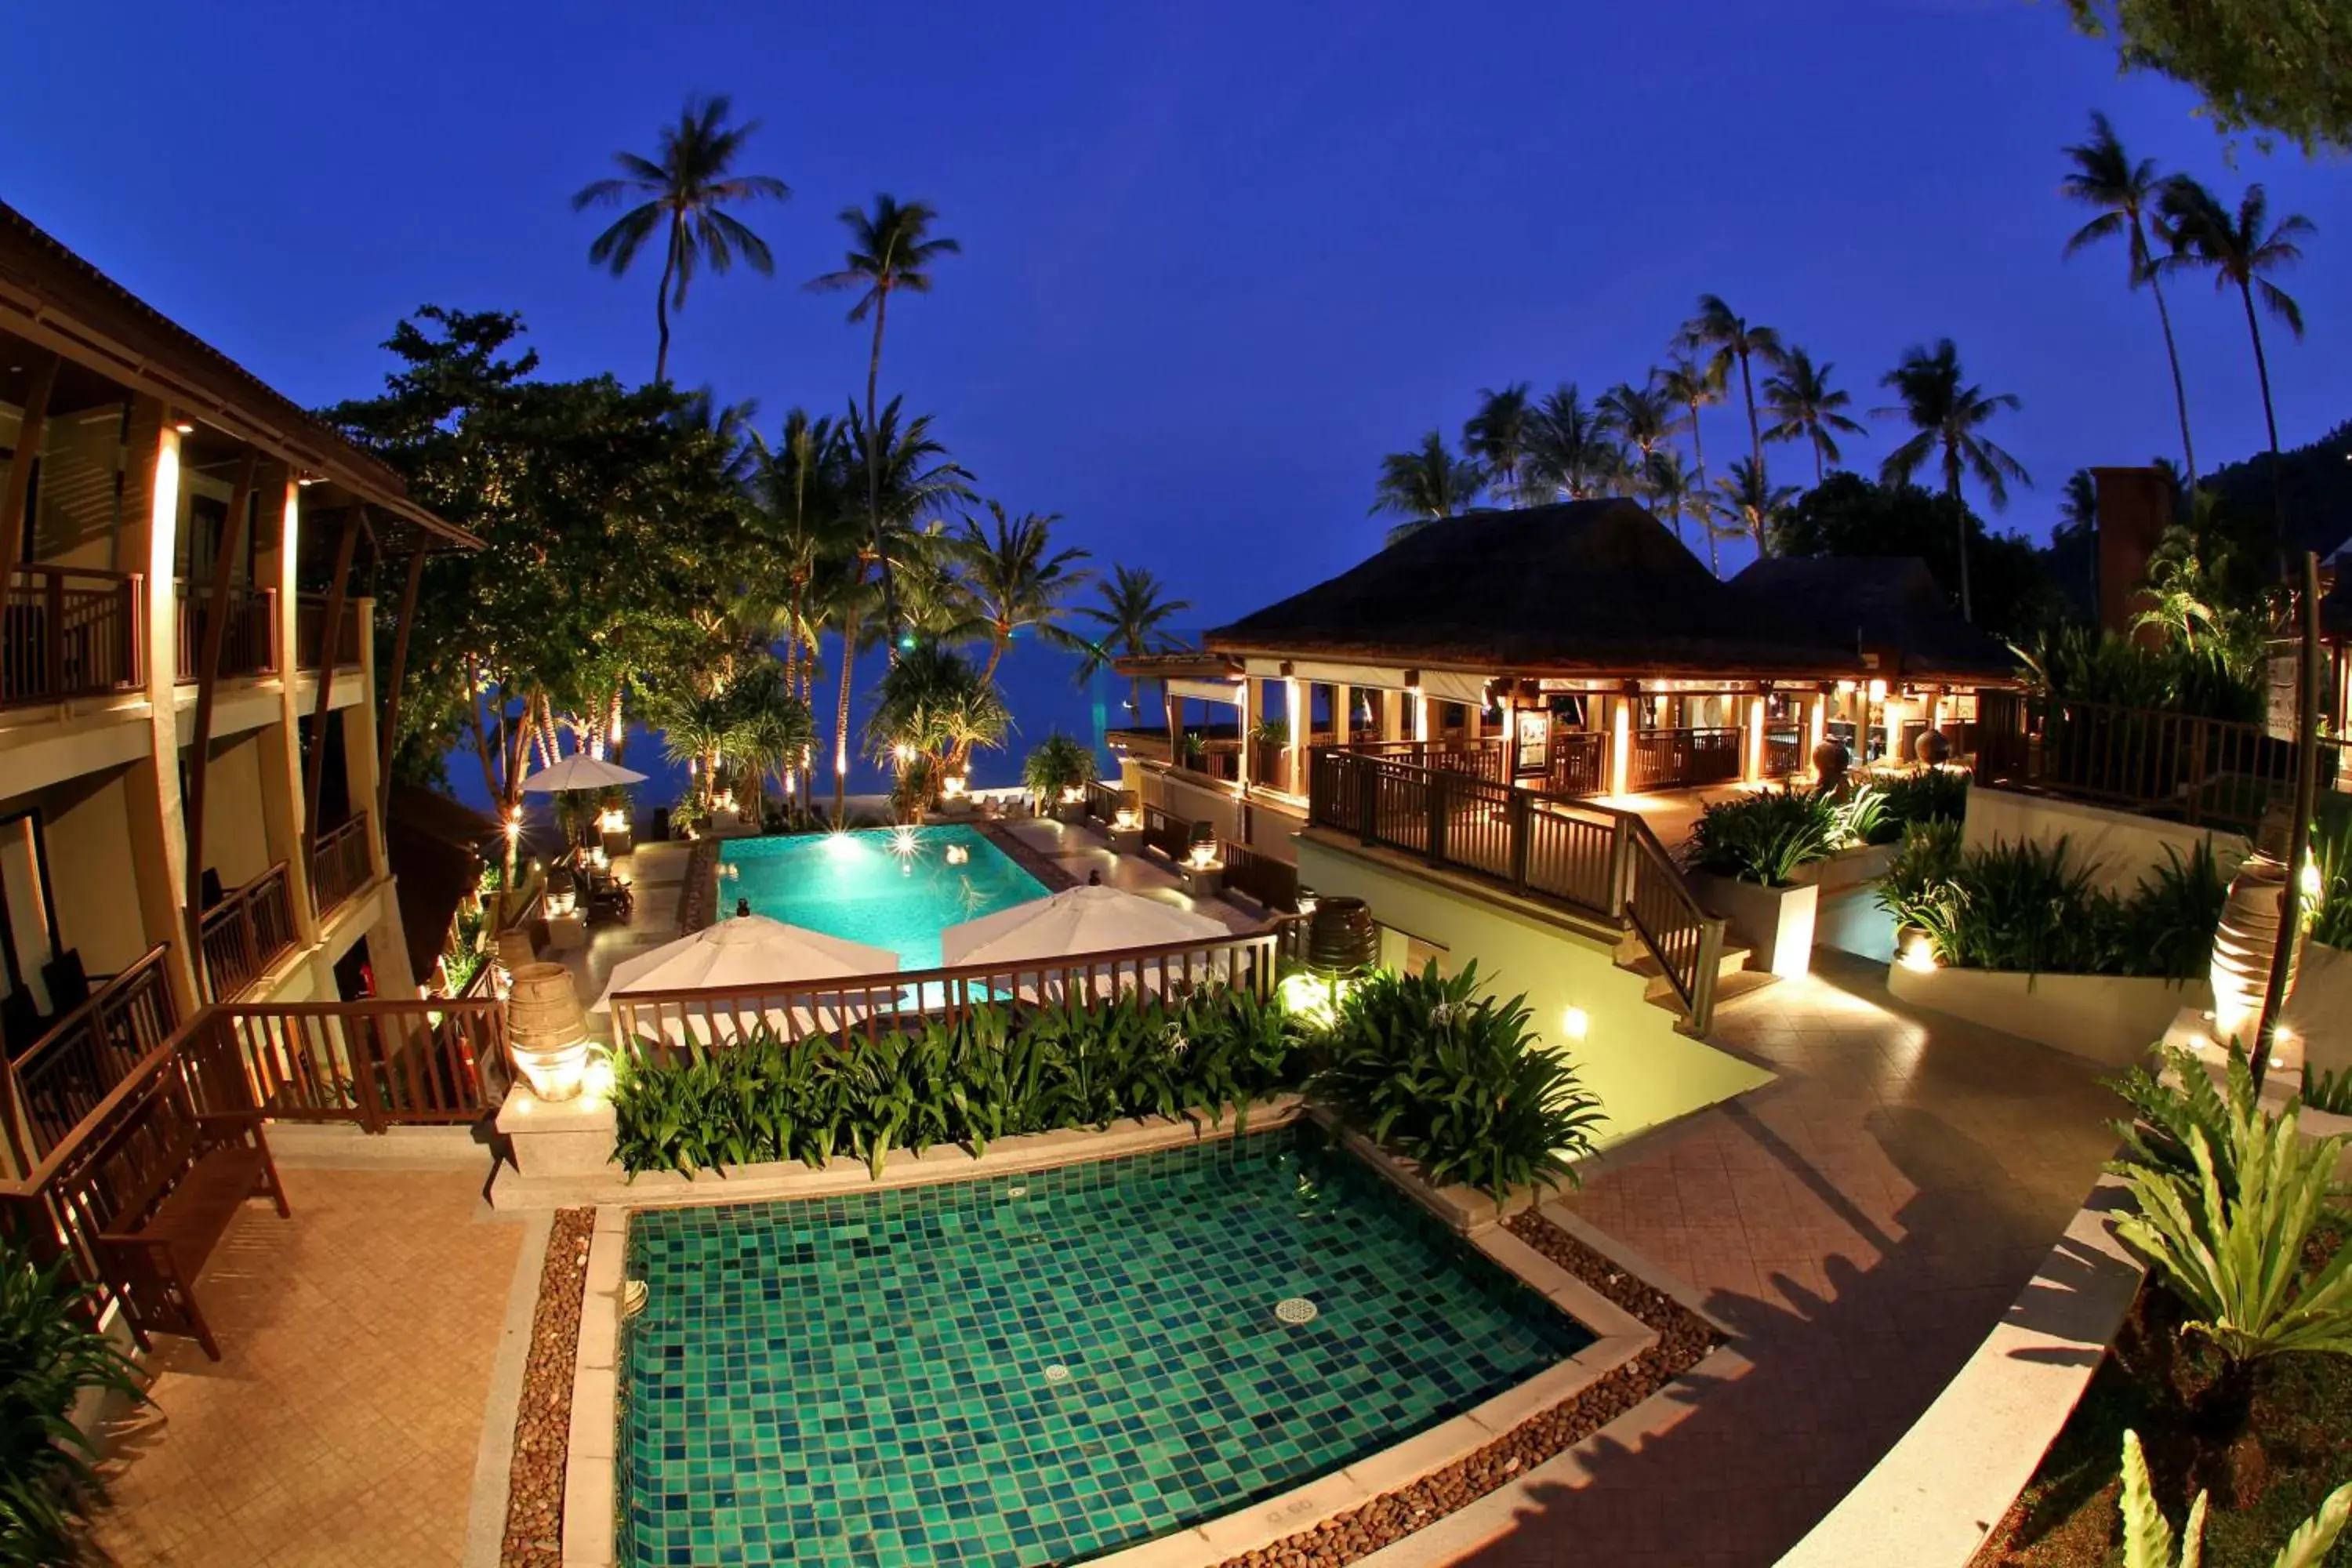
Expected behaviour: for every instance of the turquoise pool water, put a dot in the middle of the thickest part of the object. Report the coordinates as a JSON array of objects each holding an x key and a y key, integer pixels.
[
  {"x": 1037, "y": 1368},
  {"x": 894, "y": 887}
]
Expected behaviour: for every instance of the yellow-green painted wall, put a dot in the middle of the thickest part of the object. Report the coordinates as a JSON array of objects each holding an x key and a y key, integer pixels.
[{"x": 1644, "y": 1072}]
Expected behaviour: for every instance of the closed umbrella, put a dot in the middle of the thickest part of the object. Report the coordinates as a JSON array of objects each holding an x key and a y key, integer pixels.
[
  {"x": 1077, "y": 920},
  {"x": 580, "y": 770}
]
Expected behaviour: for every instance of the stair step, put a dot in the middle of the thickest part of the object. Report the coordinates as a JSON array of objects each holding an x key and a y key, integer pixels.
[{"x": 1732, "y": 960}]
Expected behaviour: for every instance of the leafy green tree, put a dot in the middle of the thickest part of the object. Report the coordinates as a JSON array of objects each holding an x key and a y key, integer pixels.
[
  {"x": 930, "y": 707},
  {"x": 2281, "y": 67},
  {"x": 1748, "y": 503},
  {"x": 1948, "y": 417},
  {"x": 1729, "y": 338},
  {"x": 1131, "y": 615},
  {"x": 891, "y": 247},
  {"x": 1806, "y": 407},
  {"x": 1694, "y": 383},
  {"x": 1496, "y": 439},
  {"x": 804, "y": 517},
  {"x": 1429, "y": 481},
  {"x": 1016, "y": 579},
  {"x": 681, "y": 193},
  {"x": 2124, "y": 191},
  {"x": 1847, "y": 514},
  {"x": 2242, "y": 250}
]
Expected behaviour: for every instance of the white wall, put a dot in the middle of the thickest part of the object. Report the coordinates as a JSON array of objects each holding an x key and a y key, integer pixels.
[
  {"x": 86, "y": 828},
  {"x": 2122, "y": 848}
]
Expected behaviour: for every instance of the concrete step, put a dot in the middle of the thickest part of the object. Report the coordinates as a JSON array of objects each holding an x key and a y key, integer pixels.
[{"x": 1661, "y": 990}]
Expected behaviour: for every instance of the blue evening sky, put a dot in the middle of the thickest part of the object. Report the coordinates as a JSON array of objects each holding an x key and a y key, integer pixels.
[{"x": 1218, "y": 257}]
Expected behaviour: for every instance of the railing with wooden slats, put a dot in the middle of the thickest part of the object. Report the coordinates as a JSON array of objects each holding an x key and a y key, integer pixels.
[
  {"x": 1104, "y": 801},
  {"x": 1578, "y": 764},
  {"x": 1479, "y": 759},
  {"x": 246, "y": 932},
  {"x": 249, "y": 637},
  {"x": 1273, "y": 883},
  {"x": 339, "y": 863},
  {"x": 1784, "y": 753},
  {"x": 310, "y": 624},
  {"x": 68, "y": 633},
  {"x": 1595, "y": 860},
  {"x": 662, "y": 1025},
  {"x": 1168, "y": 833},
  {"x": 2149, "y": 760},
  {"x": 376, "y": 1063},
  {"x": 1682, "y": 759},
  {"x": 61, "y": 1077}
]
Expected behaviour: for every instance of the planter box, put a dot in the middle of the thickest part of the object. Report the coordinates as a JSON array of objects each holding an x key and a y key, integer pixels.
[
  {"x": 2105, "y": 1018},
  {"x": 1848, "y": 868},
  {"x": 1775, "y": 923}
]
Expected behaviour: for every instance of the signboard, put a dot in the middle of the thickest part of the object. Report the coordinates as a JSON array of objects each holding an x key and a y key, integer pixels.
[
  {"x": 1530, "y": 742},
  {"x": 2281, "y": 686}
]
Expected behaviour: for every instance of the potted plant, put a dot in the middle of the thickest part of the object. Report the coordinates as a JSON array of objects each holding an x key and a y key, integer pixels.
[
  {"x": 1269, "y": 738},
  {"x": 1056, "y": 775},
  {"x": 49, "y": 1357},
  {"x": 1745, "y": 854}
]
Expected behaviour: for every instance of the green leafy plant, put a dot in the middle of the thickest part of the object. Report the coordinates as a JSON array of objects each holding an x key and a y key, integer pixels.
[
  {"x": 1455, "y": 1080},
  {"x": 2168, "y": 924},
  {"x": 1056, "y": 764},
  {"x": 1271, "y": 731},
  {"x": 1764, "y": 836},
  {"x": 2327, "y": 1091},
  {"x": 2148, "y": 1541},
  {"x": 2330, "y": 914},
  {"x": 49, "y": 1355},
  {"x": 2169, "y": 1107},
  {"x": 1864, "y": 817},
  {"x": 1931, "y": 795}
]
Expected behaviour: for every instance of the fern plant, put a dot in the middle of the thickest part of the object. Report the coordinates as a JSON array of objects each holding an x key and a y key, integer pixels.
[
  {"x": 2148, "y": 1541},
  {"x": 1056, "y": 764},
  {"x": 2327, "y": 1091},
  {"x": 48, "y": 1356},
  {"x": 2169, "y": 1106},
  {"x": 1764, "y": 836}
]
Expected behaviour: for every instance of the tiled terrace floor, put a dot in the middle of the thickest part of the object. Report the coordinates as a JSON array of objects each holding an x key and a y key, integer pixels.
[
  {"x": 1860, "y": 1224},
  {"x": 341, "y": 1425}
]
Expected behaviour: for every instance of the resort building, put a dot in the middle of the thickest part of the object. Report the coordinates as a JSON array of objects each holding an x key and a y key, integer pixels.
[{"x": 191, "y": 759}]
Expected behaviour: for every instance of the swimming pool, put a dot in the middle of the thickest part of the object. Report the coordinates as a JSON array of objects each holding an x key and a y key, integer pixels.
[
  {"x": 1035, "y": 1368},
  {"x": 894, "y": 887}
]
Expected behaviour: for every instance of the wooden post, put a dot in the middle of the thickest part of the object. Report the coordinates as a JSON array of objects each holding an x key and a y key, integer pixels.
[
  {"x": 328, "y": 631},
  {"x": 391, "y": 685},
  {"x": 20, "y": 466},
  {"x": 198, "y": 761},
  {"x": 2306, "y": 789}
]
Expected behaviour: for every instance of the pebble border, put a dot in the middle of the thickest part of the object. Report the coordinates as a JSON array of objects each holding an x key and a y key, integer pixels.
[
  {"x": 534, "y": 1530},
  {"x": 1683, "y": 1338},
  {"x": 697, "y": 896},
  {"x": 1048, "y": 871}
]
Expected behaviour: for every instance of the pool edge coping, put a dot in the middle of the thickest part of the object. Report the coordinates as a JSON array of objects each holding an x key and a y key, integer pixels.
[{"x": 1619, "y": 1337}]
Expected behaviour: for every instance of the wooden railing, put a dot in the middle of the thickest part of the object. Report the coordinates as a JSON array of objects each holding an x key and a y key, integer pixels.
[
  {"x": 2156, "y": 762},
  {"x": 339, "y": 863},
  {"x": 68, "y": 633},
  {"x": 310, "y": 623},
  {"x": 662, "y": 1025},
  {"x": 1595, "y": 860},
  {"x": 1273, "y": 883},
  {"x": 376, "y": 1063},
  {"x": 61, "y": 1077},
  {"x": 246, "y": 932},
  {"x": 1682, "y": 759},
  {"x": 1784, "y": 753},
  {"x": 1103, "y": 801},
  {"x": 1478, "y": 759},
  {"x": 1168, "y": 834},
  {"x": 249, "y": 643}
]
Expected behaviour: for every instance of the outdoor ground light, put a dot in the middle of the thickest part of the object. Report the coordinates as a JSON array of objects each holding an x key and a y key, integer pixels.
[
  {"x": 1073, "y": 793},
  {"x": 958, "y": 855},
  {"x": 1124, "y": 817},
  {"x": 953, "y": 786},
  {"x": 1916, "y": 951}
]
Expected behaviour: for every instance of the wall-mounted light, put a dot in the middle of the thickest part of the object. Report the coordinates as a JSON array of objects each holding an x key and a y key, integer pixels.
[
  {"x": 185, "y": 427},
  {"x": 1575, "y": 1024},
  {"x": 1878, "y": 691}
]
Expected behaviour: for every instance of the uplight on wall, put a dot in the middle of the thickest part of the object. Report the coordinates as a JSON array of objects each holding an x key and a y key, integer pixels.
[
  {"x": 1575, "y": 1024},
  {"x": 1916, "y": 953}
]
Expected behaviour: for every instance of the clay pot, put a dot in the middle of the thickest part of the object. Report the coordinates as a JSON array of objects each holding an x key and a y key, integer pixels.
[
  {"x": 1831, "y": 761},
  {"x": 1933, "y": 748},
  {"x": 547, "y": 1033}
]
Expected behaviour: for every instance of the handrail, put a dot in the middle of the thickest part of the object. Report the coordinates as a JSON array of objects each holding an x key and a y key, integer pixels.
[
  {"x": 339, "y": 863},
  {"x": 68, "y": 632},
  {"x": 246, "y": 932},
  {"x": 309, "y": 616},
  {"x": 248, "y": 641},
  {"x": 51, "y": 1084}
]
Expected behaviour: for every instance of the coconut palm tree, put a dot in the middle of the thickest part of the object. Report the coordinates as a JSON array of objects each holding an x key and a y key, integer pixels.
[
  {"x": 1496, "y": 439},
  {"x": 1568, "y": 446},
  {"x": 2126, "y": 192},
  {"x": 681, "y": 192},
  {"x": 1130, "y": 615},
  {"x": 1427, "y": 482},
  {"x": 930, "y": 708},
  {"x": 1948, "y": 416},
  {"x": 1727, "y": 336},
  {"x": 802, "y": 485},
  {"x": 1805, "y": 407},
  {"x": 1643, "y": 417},
  {"x": 891, "y": 249},
  {"x": 1015, "y": 578},
  {"x": 1749, "y": 501},
  {"x": 1667, "y": 487},
  {"x": 2241, "y": 249},
  {"x": 1694, "y": 383}
]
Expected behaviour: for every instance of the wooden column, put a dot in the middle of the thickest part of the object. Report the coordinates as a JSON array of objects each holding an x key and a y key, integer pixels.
[
  {"x": 20, "y": 466},
  {"x": 330, "y": 627},
  {"x": 1816, "y": 731},
  {"x": 1751, "y": 737},
  {"x": 1299, "y": 716},
  {"x": 208, "y": 656},
  {"x": 386, "y": 740},
  {"x": 146, "y": 543},
  {"x": 1619, "y": 709},
  {"x": 1247, "y": 769}
]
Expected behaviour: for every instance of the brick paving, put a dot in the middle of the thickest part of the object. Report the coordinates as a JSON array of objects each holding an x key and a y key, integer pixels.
[{"x": 1860, "y": 1225}]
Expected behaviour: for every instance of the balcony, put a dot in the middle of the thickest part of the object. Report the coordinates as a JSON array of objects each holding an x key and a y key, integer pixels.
[
  {"x": 68, "y": 633},
  {"x": 247, "y": 932},
  {"x": 67, "y": 1073},
  {"x": 340, "y": 864},
  {"x": 309, "y": 624},
  {"x": 248, "y": 642}
]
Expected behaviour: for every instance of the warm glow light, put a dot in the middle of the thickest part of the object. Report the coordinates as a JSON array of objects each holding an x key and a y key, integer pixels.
[
  {"x": 1313, "y": 999},
  {"x": 1878, "y": 691},
  {"x": 1203, "y": 856},
  {"x": 1575, "y": 1024},
  {"x": 1073, "y": 795},
  {"x": 1124, "y": 817},
  {"x": 2311, "y": 884},
  {"x": 958, "y": 855},
  {"x": 598, "y": 858},
  {"x": 903, "y": 753},
  {"x": 1845, "y": 689},
  {"x": 903, "y": 843},
  {"x": 953, "y": 786},
  {"x": 185, "y": 427},
  {"x": 840, "y": 843},
  {"x": 1918, "y": 953}
]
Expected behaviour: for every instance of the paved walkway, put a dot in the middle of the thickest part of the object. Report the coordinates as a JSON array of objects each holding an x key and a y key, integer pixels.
[
  {"x": 341, "y": 1424},
  {"x": 1860, "y": 1224}
]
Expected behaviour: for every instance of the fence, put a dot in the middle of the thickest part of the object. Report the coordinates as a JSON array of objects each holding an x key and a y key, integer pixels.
[
  {"x": 340, "y": 864},
  {"x": 246, "y": 932},
  {"x": 310, "y": 624},
  {"x": 68, "y": 633},
  {"x": 61, "y": 1077},
  {"x": 1784, "y": 753},
  {"x": 376, "y": 1063},
  {"x": 249, "y": 637},
  {"x": 1273, "y": 883},
  {"x": 664, "y": 1025},
  {"x": 1596, "y": 860},
  {"x": 1675, "y": 759}
]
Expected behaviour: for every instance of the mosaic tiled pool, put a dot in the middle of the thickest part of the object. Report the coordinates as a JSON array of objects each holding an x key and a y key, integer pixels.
[
  {"x": 894, "y": 887},
  {"x": 1037, "y": 1368}
]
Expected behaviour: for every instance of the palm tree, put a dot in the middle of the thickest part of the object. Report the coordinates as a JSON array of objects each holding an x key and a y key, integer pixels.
[
  {"x": 1729, "y": 336},
  {"x": 1015, "y": 578},
  {"x": 2125, "y": 193},
  {"x": 1948, "y": 416},
  {"x": 801, "y": 486},
  {"x": 1805, "y": 407},
  {"x": 1749, "y": 500},
  {"x": 1428, "y": 483},
  {"x": 1666, "y": 485},
  {"x": 891, "y": 249},
  {"x": 1643, "y": 416},
  {"x": 683, "y": 189},
  {"x": 1568, "y": 446},
  {"x": 930, "y": 708},
  {"x": 1694, "y": 383},
  {"x": 1130, "y": 615},
  {"x": 2240, "y": 248},
  {"x": 2078, "y": 503},
  {"x": 1495, "y": 438}
]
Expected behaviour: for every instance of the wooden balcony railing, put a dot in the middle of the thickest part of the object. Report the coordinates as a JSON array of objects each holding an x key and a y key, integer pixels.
[
  {"x": 310, "y": 624},
  {"x": 1168, "y": 834},
  {"x": 67, "y": 633},
  {"x": 249, "y": 643},
  {"x": 339, "y": 863},
  {"x": 61, "y": 1077},
  {"x": 1682, "y": 759},
  {"x": 1273, "y": 883},
  {"x": 2157, "y": 763},
  {"x": 1594, "y": 860},
  {"x": 1784, "y": 753},
  {"x": 664, "y": 1025},
  {"x": 245, "y": 934}
]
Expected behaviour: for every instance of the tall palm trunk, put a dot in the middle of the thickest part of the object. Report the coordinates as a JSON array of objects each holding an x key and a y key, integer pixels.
[
  {"x": 1755, "y": 430},
  {"x": 1959, "y": 520},
  {"x": 2270, "y": 420},
  {"x": 874, "y": 478},
  {"x": 849, "y": 629},
  {"x": 661, "y": 300},
  {"x": 1714, "y": 550},
  {"x": 2179, "y": 390},
  {"x": 1698, "y": 462},
  {"x": 1821, "y": 471}
]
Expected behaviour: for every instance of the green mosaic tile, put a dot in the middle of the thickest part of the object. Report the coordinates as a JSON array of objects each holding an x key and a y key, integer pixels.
[{"x": 864, "y": 1379}]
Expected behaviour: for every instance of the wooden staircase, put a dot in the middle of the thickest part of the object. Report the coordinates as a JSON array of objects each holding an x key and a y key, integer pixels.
[{"x": 1733, "y": 980}]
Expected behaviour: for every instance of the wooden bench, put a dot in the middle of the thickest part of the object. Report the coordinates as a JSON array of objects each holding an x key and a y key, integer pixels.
[{"x": 186, "y": 1177}]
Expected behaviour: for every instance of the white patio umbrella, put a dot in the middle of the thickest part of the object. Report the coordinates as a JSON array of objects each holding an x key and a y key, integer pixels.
[
  {"x": 580, "y": 770},
  {"x": 745, "y": 951},
  {"x": 1075, "y": 920}
]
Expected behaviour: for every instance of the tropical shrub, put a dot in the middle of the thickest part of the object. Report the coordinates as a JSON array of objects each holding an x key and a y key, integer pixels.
[
  {"x": 1931, "y": 795},
  {"x": 1864, "y": 816},
  {"x": 48, "y": 1356},
  {"x": 2330, "y": 913},
  {"x": 1056, "y": 764},
  {"x": 992, "y": 1074},
  {"x": 2171, "y": 1106},
  {"x": 2075, "y": 664},
  {"x": 2029, "y": 906},
  {"x": 2327, "y": 1091},
  {"x": 1455, "y": 1080},
  {"x": 1764, "y": 836},
  {"x": 2148, "y": 1541}
]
